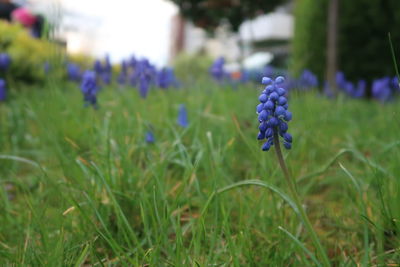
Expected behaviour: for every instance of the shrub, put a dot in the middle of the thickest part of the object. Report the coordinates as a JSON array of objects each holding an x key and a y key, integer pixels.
[
  {"x": 28, "y": 55},
  {"x": 363, "y": 47}
]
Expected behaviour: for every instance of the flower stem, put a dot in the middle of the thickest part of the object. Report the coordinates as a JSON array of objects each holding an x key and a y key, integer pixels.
[{"x": 293, "y": 190}]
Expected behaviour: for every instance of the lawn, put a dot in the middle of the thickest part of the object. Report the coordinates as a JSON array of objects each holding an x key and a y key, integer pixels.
[{"x": 81, "y": 186}]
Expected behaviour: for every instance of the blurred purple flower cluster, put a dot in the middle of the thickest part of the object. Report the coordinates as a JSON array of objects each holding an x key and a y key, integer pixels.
[
  {"x": 382, "y": 89},
  {"x": 139, "y": 73}
]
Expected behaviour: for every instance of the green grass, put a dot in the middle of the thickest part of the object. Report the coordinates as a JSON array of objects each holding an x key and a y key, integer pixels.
[{"x": 80, "y": 186}]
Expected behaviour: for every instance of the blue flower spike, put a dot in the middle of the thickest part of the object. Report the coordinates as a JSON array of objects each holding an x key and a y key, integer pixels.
[
  {"x": 273, "y": 113},
  {"x": 3, "y": 90},
  {"x": 5, "y": 61},
  {"x": 182, "y": 116},
  {"x": 89, "y": 88},
  {"x": 274, "y": 117},
  {"x": 150, "y": 139}
]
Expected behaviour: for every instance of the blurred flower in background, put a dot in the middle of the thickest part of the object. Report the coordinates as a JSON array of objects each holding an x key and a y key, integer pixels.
[
  {"x": 5, "y": 61},
  {"x": 182, "y": 116},
  {"x": 3, "y": 90}
]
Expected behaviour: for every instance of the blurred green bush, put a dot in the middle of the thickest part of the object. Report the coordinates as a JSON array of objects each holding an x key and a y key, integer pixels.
[
  {"x": 29, "y": 56},
  {"x": 363, "y": 46},
  {"x": 308, "y": 47}
]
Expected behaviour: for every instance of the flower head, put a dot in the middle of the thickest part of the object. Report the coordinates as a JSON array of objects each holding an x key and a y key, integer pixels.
[
  {"x": 381, "y": 89},
  {"x": 217, "y": 69},
  {"x": 166, "y": 78},
  {"x": 89, "y": 88},
  {"x": 360, "y": 90},
  {"x": 46, "y": 67},
  {"x": 308, "y": 80},
  {"x": 97, "y": 66},
  {"x": 182, "y": 116},
  {"x": 150, "y": 139},
  {"x": 144, "y": 85},
  {"x": 3, "y": 90},
  {"x": 5, "y": 61},
  {"x": 73, "y": 72},
  {"x": 273, "y": 113}
]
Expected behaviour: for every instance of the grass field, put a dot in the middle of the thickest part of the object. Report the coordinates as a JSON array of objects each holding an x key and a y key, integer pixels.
[{"x": 81, "y": 186}]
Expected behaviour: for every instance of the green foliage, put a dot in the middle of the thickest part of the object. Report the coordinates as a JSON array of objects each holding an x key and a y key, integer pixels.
[
  {"x": 191, "y": 68},
  {"x": 309, "y": 42},
  {"x": 208, "y": 14},
  {"x": 363, "y": 46},
  {"x": 81, "y": 186},
  {"x": 28, "y": 55}
]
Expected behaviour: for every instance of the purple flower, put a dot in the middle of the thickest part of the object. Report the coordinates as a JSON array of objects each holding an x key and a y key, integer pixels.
[
  {"x": 73, "y": 72},
  {"x": 273, "y": 113},
  {"x": 217, "y": 69},
  {"x": 106, "y": 77},
  {"x": 143, "y": 86},
  {"x": 395, "y": 84},
  {"x": 89, "y": 88},
  {"x": 307, "y": 80},
  {"x": 182, "y": 116},
  {"x": 46, "y": 67},
  {"x": 354, "y": 91},
  {"x": 132, "y": 62},
  {"x": 5, "y": 61},
  {"x": 360, "y": 90},
  {"x": 340, "y": 80},
  {"x": 381, "y": 89},
  {"x": 98, "y": 67},
  {"x": 3, "y": 90},
  {"x": 166, "y": 78},
  {"x": 150, "y": 139}
]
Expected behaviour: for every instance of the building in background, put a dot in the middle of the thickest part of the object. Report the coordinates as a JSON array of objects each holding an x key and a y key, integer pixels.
[{"x": 266, "y": 37}]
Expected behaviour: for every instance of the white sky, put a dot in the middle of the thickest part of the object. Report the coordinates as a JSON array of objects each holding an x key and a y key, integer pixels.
[{"x": 121, "y": 28}]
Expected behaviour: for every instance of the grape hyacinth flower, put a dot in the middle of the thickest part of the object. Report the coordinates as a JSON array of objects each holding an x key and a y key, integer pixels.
[
  {"x": 273, "y": 116},
  {"x": 182, "y": 116},
  {"x": 360, "y": 89},
  {"x": 98, "y": 67},
  {"x": 150, "y": 139},
  {"x": 395, "y": 84},
  {"x": 340, "y": 80},
  {"x": 46, "y": 67},
  {"x": 273, "y": 113},
  {"x": 381, "y": 89},
  {"x": 73, "y": 72},
  {"x": 308, "y": 80},
  {"x": 89, "y": 88},
  {"x": 217, "y": 69},
  {"x": 144, "y": 85},
  {"x": 5, "y": 61},
  {"x": 3, "y": 90},
  {"x": 132, "y": 62},
  {"x": 166, "y": 78}
]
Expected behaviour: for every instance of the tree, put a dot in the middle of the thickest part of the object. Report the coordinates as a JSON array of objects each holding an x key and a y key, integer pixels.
[{"x": 208, "y": 14}]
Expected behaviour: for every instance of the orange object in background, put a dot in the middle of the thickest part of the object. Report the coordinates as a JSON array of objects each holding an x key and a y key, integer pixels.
[{"x": 236, "y": 75}]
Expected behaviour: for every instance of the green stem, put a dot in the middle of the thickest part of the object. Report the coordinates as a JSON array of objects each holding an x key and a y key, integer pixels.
[{"x": 296, "y": 198}]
